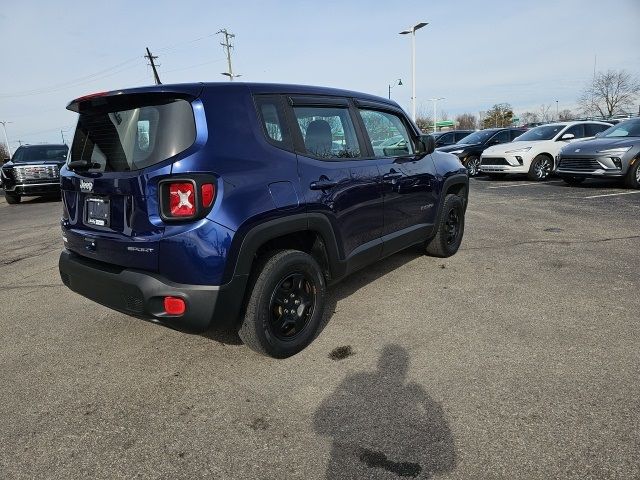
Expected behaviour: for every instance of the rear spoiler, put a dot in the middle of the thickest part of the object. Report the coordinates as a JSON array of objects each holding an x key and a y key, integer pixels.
[{"x": 134, "y": 97}]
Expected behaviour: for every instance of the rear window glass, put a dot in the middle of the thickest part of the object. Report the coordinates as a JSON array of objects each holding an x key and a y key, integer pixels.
[
  {"x": 133, "y": 139},
  {"x": 43, "y": 153}
]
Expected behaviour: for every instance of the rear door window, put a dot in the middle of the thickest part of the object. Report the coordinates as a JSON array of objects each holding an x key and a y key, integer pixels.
[
  {"x": 327, "y": 132},
  {"x": 127, "y": 140}
]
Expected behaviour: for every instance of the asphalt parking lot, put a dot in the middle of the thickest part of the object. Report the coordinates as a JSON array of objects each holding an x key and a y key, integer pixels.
[{"x": 516, "y": 358}]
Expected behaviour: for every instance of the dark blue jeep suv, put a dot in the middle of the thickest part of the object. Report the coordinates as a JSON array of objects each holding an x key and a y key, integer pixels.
[{"x": 235, "y": 204}]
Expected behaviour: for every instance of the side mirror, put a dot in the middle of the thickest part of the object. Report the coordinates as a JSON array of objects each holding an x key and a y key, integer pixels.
[
  {"x": 567, "y": 136},
  {"x": 425, "y": 145},
  {"x": 5, "y": 160},
  {"x": 598, "y": 135}
]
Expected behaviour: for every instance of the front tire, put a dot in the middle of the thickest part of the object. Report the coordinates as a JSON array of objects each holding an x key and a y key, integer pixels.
[
  {"x": 632, "y": 180},
  {"x": 12, "y": 198},
  {"x": 285, "y": 308},
  {"x": 473, "y": 166},
  {"x": 450, "y": 229},
  {"x": 540, "y": 168}
]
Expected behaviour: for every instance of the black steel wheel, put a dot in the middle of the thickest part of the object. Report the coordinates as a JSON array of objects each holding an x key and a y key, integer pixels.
[
  {"x": 450, "y": 231},
  {"x": 284, "y": 308}
]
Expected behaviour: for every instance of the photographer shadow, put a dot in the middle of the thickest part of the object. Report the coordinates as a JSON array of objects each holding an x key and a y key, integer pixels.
[{"x": 383, "y": 426}]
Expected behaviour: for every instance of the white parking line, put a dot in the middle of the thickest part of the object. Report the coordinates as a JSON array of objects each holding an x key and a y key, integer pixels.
[
  {"x": 612, "y": 194},
  {"x": 525, "y": 184}
]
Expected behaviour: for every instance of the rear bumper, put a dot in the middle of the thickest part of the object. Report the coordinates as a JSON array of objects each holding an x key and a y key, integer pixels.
[{"x": 141, "y": 294}]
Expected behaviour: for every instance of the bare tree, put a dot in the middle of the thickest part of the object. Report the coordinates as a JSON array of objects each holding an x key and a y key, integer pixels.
[
  {"x": 610, "y": 93},
  {"x": 466, "y": 121},
  {"x": 3, "y": 152},
  {"x": 566, "y": 115},
  {"x": 499, "y": 115},
  {"x": 545, "y": 113},
  {"x": 424, "y": 121},
  {"x": 444, "y": 116},
  {"x": 529, "y": 117}
]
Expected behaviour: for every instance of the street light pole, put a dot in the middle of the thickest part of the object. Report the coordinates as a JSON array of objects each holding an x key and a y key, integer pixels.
[
  {"x": 412, "y": 31},
  {"x": 6, "y": 139},
  {"x": 435, "y": 100},
  {"x": 398, "y": 82},
  {"x": 557, "y": 111}
]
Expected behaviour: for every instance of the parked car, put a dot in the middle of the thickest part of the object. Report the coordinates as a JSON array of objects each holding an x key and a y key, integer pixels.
[
  {"x": 450, "y": 137},
  {"x": 470, "y": 148},
  {"x": 236, "y": 211},
  {"x": 534, "y": 152},
  {"x": 34, "y": 170},
  {"x": 615, "y": 153}
]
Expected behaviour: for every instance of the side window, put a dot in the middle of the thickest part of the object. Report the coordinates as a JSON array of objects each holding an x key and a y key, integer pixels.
[
  {"x": 515, "y": 134},
  {"x": 500, "y": 137},
  {"x": 273, "y": 121},
  {"x": 388, "y": 134},
  {"x": 327, "y": 132},
  {"x": 590, "y": 129},
  {"x": 446, "y": 139},
  {"x": 576, "y": 130},
  {"x": 460, "y": 135}
]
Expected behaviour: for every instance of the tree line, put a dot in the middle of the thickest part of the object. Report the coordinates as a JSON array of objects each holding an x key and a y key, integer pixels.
[{"x": 610, "y": 93}]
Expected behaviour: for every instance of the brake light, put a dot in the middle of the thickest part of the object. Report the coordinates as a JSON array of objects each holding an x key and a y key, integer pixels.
[
  {"x": 182, "y": 199},
  {"x": 208, "y": 192},
  {"x": 174, "y": 306}
]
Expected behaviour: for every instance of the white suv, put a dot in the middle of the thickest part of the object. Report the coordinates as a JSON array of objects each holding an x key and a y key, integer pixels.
[{"x": 534, "y": 151}]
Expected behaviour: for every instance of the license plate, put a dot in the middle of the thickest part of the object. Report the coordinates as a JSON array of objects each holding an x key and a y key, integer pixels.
[{"x": 97, "y": 211}]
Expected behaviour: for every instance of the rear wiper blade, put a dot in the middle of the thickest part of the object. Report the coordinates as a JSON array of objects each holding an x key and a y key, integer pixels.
[{"x": 82, "y": 164}]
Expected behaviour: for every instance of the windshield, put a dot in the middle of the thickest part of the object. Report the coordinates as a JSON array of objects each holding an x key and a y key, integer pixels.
[
  {"x": 133, "y": 139},
  {"x": 43, "y": 153},
  {"x": 477, "y": 137},
  {"x": 545, "y": 132},
  {"x": 630, "y": 128}
]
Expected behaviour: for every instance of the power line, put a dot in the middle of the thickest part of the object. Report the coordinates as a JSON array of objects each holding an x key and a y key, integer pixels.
[
  {"x": 152, "y": 59},
  {"x": 227, "y": 45}
]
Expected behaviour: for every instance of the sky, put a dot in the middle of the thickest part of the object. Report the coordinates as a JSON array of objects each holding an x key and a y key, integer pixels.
[{"x": 472, "y": 53}]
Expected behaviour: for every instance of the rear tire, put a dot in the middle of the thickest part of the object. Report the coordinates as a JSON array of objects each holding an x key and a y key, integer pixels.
[
  {"x": 573, "y": 180},
  {"x": 540, "y": 168},
  {"x": 450, "y": 229},
  {"x": 632, "y": 180},
  {"x": 12, "y": 198},
  {"x": 285, "y": 306}
]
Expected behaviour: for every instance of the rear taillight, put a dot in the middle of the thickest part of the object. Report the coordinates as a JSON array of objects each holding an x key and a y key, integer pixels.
[
  {"x": 208, "y": 192},
  {"x": 182, "y": 199},
  {"x": 186, "y": 198}
]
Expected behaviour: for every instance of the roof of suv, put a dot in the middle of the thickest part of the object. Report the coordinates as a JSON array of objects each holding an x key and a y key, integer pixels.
[{"x": 255, "y": 88}]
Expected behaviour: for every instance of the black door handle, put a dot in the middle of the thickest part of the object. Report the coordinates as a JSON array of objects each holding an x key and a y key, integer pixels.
[{"x": 323, "y": 184}]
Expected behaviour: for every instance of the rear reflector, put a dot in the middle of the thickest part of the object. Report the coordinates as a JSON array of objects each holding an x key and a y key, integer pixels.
[
  {"x": 208, "y": 192},
  {"x": 174, "y": 306},
  {"x": 182, "y": 199}
]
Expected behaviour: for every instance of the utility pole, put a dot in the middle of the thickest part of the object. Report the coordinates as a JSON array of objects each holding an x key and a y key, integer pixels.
[
  {"x": 227, "y": 48},
  {"x": 435, "y": 100},
  {"x": 6, "y": 139},
  {"x": 151, "y": 59},
  {"x": 62, "y": 135}
]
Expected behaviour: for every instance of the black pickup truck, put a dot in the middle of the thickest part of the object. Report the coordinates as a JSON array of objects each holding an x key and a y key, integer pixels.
[{"x": 34, "y": 170}]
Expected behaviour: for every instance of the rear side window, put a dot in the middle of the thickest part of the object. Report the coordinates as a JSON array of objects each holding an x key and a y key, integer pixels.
[
  {"x": 274, "y": 125},
  {"x": 327, "y": 132},
  {"x": 119, "y": 141}
]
